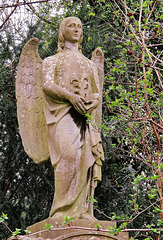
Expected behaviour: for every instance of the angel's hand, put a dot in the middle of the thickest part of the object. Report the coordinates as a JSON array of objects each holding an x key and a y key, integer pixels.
[
  {"x": 78, "y": 103},
  {"x": 91, "y": 104}
]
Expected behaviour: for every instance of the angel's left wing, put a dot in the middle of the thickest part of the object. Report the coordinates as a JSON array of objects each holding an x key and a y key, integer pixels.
[{"x": 98, "y": 60}]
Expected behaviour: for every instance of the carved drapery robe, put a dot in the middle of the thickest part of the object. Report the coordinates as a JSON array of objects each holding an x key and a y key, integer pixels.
[{"x": 74, "y": 145}]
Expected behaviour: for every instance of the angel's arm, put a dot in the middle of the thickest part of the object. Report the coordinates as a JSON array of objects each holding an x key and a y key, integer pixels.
[
  {"x": 51, "y": 89},
  {"x": 56, "y": 92}
]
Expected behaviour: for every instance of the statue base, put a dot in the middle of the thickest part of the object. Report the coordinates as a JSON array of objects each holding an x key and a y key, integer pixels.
[{"x": 80, "y": 229}]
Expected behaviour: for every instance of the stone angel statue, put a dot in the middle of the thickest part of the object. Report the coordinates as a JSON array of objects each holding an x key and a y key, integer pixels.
[{"x": 53, "y": 98}]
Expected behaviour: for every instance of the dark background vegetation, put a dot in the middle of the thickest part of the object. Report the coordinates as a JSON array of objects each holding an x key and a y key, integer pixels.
[{"x": 27, "y": 189}]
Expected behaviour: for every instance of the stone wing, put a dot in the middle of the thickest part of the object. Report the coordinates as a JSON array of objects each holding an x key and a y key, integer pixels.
[
  {"x": 98, "y": 59},
  {"x": 30, "y": 99}
]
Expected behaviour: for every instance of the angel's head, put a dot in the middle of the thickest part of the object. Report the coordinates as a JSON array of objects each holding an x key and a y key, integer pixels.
[{"x": 70, "y": 30}]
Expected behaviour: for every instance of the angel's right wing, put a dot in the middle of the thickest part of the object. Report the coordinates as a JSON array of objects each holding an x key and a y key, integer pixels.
[{"x": 30, "y": 98}]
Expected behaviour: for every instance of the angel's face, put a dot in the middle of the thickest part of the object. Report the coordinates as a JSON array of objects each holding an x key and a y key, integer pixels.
[{"x": 73, "y": 30}]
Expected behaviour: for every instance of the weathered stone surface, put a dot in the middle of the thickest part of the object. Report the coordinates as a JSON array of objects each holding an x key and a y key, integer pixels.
[
  {"x": 53, "y": 97},
  {"x": 63, "y": 233},
  {"x": 30, "y": 99},
  {"x": 80, "y": 229}
]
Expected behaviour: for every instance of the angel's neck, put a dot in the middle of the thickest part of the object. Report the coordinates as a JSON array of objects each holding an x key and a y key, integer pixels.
[{"x": 71, "y": 46}]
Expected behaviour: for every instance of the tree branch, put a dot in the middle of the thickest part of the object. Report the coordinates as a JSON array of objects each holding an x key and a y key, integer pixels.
[
  {"x": 33, "y": 10},
  {"x": 146, "y": 119},
  {"x": 23, "y": 3},
  {"x": 9, "y": 15}
]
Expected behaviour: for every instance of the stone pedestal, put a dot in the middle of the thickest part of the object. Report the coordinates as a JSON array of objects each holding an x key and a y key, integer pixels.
[{"x": 80, "y": 230}]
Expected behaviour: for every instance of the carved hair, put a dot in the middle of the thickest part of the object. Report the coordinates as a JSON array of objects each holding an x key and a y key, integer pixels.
[{"x": 62, "y": 28}]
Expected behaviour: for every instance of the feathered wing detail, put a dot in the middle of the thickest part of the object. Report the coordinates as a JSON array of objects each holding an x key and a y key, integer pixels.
[
  {"x": 98, "y": 59},
  {"x": 98, "y": 62},
  {"x": 30, "y": 98}
]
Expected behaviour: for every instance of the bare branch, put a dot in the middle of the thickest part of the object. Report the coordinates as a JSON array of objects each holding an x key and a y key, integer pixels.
[
  {"x": 147, "y": 119},
  {"x": 23, "y": 3},
  {"x": 146, "y": 209},
  {"x": 34, "y": 11},
  {"x": 9, "y": 15},
  {"x": 154, "y": 5},
  {"x": 140, "y": 15}
]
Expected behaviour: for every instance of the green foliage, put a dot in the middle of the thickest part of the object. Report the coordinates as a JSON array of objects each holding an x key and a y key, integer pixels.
[
  {"x": 130, "y": 140},
  {"x": 48, "y": 227},
  {"x": 131, "y": 172},
  {"x": 27, "y": 231},
  {"x": 98, "y": 226},
  {"x": 3, "y": 218},
  {"x": 18, "y": 231},
  {"x": 115, "y": 231},
  {"x": 68, "y": 220}
]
